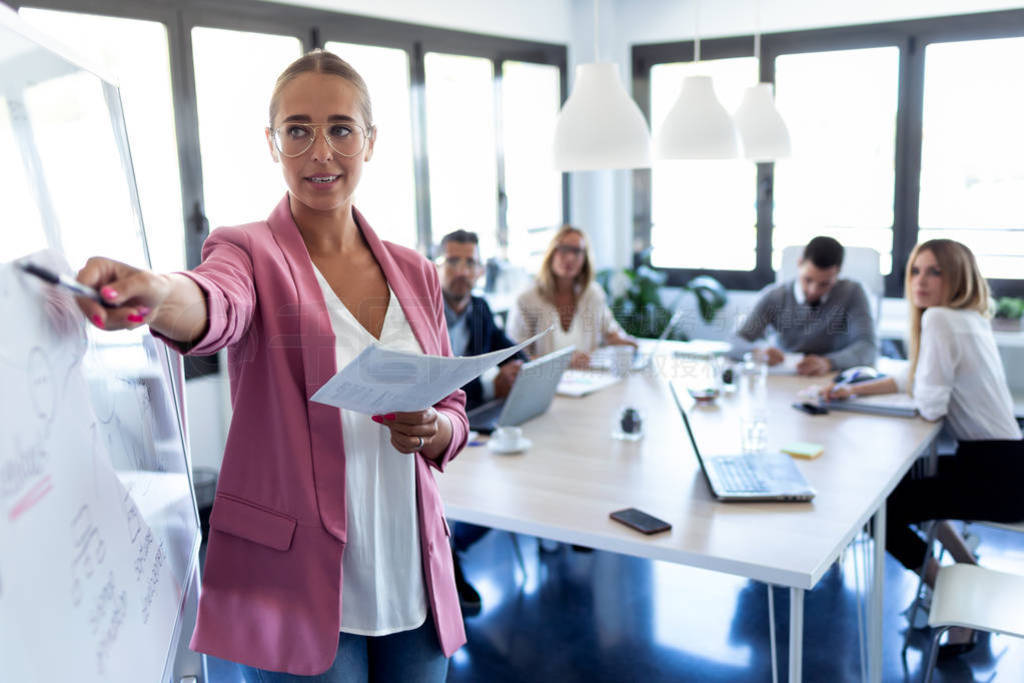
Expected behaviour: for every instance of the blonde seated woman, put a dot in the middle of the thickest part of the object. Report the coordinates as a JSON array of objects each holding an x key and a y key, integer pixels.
[
  {"x": 955, "y": 373},
  {"x": 565, "y": 295}
]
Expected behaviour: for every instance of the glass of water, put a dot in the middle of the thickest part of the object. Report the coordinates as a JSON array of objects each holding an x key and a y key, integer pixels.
[{"x": 753, "y": 404}]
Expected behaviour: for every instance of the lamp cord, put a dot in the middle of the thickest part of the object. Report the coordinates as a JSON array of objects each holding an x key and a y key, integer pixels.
[
  {"x": 696, "y": 32},
  {"x": 757, "y": 32}
]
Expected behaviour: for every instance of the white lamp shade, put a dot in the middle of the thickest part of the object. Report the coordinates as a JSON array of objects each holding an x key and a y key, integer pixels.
[
  {"x": 697, "y": 126},
  {"x": 600, "y": 126},
  {"x": 762, "y": 130}
]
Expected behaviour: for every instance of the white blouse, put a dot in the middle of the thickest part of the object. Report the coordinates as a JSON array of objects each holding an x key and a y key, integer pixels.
[
  {"x": 960, "y": 376},
  {"x": 590, "y": 327},
  {"x": 382, "y": 587}
]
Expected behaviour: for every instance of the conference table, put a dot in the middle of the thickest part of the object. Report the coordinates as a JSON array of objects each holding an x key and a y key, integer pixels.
[{"x": 575, "y": 473}]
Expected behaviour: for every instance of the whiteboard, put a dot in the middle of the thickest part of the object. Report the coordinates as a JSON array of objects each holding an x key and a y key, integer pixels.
[{"x": 99, "y": 533}]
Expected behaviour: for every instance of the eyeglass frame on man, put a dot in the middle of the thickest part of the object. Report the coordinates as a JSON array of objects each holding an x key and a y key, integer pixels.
[
  {"x": 454, "y": 262},
  {"x": 276, "y": 132}
]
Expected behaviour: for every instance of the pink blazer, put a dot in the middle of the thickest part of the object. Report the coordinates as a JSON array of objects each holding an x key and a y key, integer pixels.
[{"x": 272, "y": 580}]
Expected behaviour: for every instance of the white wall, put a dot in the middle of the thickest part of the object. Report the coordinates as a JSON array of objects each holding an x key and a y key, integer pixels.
[
  {"x": 543, "y": 20},
  {"x": 653, "y": 21}
]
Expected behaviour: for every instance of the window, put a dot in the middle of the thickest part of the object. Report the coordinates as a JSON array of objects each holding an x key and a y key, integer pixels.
[
  {"x": 461, "y": 144},
  {"x": 531, "y": 97},
  {"x": 902, "y": 131},
  {"x": 73, "y": 107},
  {"x": 25, "y": 232},
  {"x": 972, "y": 179},
  {"x": 136, "y": 51},
  {"x": 840, "y": 108},
  {"x": 235, "y": 74},
  {"x": 386, "y": 193},
  {"x": 692, "y": 198}
]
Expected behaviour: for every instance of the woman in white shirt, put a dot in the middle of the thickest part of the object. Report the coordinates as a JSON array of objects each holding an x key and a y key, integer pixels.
[
  {"x": 566, "y": 296},
  {"x": 955, "y": 372}
]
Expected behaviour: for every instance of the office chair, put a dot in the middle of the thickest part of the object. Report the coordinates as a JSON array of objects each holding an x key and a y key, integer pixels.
[
  {"x": 859, "y": 263},
  {"x": 970, "y": 596},
  {"x": 974, "y": 597}
]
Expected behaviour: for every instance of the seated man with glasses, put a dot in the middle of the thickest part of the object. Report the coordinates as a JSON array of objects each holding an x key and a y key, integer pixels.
[
  {"x": 817, "y": 314},
  {"x": 473, "y": 331}
]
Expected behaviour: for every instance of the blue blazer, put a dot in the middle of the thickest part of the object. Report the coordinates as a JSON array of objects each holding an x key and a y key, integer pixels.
[{"x": 484, "y": 336}]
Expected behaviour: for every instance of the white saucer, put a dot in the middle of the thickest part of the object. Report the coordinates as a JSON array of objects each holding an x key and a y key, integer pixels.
[{"x": 521, "y": 445}]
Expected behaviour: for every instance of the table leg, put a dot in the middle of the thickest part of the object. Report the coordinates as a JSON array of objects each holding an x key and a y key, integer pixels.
[
  {"x": 875, "y": 606},
  {"x": 796, "y": 634}
]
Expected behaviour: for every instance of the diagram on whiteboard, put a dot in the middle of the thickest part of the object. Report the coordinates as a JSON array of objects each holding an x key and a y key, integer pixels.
[{"x": 94, "y": 500}]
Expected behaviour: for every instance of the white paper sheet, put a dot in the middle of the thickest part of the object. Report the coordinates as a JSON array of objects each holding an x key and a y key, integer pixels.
[
  {"x": 788, "y": 364},
  {"x": 578, "y": 383},
  {"x": 380, "y": 380}
]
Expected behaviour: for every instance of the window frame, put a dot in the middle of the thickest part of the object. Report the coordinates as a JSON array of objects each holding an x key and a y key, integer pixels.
[
  {"x": 314, "y": 27},
  {"x": 910, "y": 37}
]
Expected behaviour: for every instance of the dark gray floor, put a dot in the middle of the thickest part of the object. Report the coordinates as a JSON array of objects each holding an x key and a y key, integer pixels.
[{"x": 595, "y": 617}]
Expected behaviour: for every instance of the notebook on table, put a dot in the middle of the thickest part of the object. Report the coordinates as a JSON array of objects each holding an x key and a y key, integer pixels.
[
  {"x": 748, "y": 476},
  {"x": 530, "y": 396},
  {"x": 893, "y": 405}
]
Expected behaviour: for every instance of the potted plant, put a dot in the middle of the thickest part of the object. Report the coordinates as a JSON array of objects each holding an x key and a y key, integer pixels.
[
  {"x": 633, "y": 296},
  {"x": 1008, "y": 313}
]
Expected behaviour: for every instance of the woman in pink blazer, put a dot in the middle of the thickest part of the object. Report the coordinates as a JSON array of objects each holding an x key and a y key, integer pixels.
[{"x": 328, "y": 548}]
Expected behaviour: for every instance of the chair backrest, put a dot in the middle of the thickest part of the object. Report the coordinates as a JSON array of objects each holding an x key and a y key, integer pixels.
[{"x": 859, "y": 263}]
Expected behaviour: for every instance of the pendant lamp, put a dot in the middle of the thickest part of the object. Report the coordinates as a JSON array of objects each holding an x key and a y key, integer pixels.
[
  {"x": 762, "y": 130},
  {"x": 600, "y": 126},
  {"x": 697, "y": 126},
  {"x": 764, "y": 133}
]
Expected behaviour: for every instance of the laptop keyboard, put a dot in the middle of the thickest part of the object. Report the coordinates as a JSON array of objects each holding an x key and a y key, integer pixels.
[{"x": 738, "y": 474}]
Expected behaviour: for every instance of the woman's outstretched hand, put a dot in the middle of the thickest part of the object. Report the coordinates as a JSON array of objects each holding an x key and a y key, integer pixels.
[
  {"x": 134, "y": 293},
  {"x": 171, "y": 304}
]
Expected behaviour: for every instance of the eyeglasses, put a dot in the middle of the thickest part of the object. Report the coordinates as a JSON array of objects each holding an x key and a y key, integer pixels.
[
  {"x": 569, "y": 250},
  {"x": 455, "y": 262},
  {"x": 295, "y": 139}
]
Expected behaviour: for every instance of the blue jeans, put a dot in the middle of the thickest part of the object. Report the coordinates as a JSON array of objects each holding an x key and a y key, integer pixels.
[{"x": 408, "y": 657}]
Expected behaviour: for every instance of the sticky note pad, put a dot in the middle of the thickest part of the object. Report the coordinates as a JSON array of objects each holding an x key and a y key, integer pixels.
[{"x": 803, "y": 449}]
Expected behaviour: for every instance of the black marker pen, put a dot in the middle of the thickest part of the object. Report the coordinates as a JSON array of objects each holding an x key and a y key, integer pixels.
[{"x": 58, "y": 280}]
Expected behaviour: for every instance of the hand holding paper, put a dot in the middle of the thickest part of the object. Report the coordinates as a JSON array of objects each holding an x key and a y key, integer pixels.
[{"x": 380, "y": 380}]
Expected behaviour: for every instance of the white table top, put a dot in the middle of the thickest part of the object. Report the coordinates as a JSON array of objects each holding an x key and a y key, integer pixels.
[{"x": 575, "y": 474}]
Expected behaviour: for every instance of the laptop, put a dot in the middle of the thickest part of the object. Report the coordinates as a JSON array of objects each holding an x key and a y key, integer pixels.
[
  {"x": 749, "y": 477},
  {"x": 530, "y": 396}
]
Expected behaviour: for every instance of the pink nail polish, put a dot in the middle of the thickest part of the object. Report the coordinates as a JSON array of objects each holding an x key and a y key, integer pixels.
[
  {"x": 143, "y": 310},
  {"x": 135, "y": 318},
  {"x": 390, "y": 416},
  {"x": 109, "y": 293},
  {"x": 377, "y": 418},
  {"x": 97, "y": 321}
]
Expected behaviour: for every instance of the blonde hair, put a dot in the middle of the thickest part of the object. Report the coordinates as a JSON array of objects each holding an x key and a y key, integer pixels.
[
  {"x": 546, "y": 278},
  {"x": 322, "y": 62},
  {"x": 963, "y": 288}
]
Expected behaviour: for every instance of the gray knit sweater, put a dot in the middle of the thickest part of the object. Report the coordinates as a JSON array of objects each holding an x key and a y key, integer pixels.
[{"x": 840, "y": 328}]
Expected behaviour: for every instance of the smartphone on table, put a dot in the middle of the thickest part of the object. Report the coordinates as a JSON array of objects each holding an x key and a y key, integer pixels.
[{"x": 641, "y": 521}]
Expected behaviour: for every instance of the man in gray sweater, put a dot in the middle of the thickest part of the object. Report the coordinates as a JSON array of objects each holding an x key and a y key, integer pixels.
[{"x": 818, "y": 314}]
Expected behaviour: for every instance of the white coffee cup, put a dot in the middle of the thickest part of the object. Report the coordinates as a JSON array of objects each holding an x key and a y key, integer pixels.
[
  {"x": 506, "y": 437},
  {"x": 622, "y": 359}
]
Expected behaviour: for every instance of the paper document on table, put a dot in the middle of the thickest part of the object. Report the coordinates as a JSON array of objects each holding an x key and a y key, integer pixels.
[
  {"x": 578, "y": 383},
  {"x": 788, "y": 364},
  {"x": 380, "y": 380}
]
